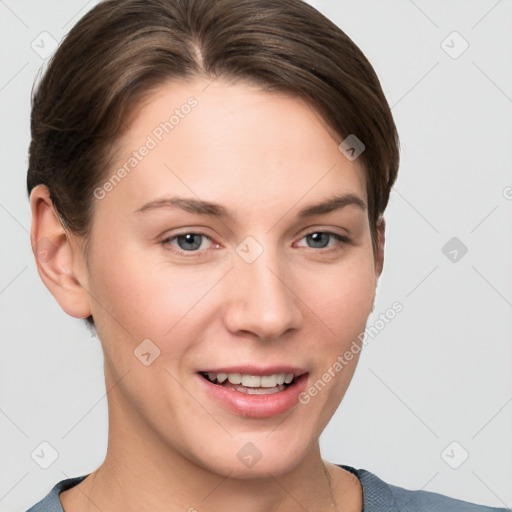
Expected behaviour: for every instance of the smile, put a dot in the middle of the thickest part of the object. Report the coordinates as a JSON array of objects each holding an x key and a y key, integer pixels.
[
  {"x": 255, "y": 392},
  {"x": 251, "y": 384}
]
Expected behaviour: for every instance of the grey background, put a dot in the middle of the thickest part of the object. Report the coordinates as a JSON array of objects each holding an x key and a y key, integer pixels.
[{"x": 439, "y": 372}]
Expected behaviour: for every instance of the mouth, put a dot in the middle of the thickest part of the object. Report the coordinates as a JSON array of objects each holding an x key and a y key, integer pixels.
[
  {"x": 252, "y": 391},
  {"x": 252, "y": 384}
]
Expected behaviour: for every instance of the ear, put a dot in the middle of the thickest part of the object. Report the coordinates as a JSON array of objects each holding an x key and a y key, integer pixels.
[
  {"x": 58, "y": 256},
  {"x": 381, "y": 238}
]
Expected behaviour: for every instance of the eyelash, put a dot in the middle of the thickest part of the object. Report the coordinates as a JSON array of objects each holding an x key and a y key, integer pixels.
[{"x": 343, "y": 240}]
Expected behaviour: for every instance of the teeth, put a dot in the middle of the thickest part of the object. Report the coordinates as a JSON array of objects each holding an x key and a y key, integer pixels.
[
  {"x": 268, "y": 381},
  {"x": 259, "y": 391},
  {"x": 235, "y": 378},
  {"x": 252, "y": 381},
  {"x": 221, "y": 377}
]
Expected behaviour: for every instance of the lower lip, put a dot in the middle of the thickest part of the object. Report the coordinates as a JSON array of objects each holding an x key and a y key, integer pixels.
[{"x": 256, "y": 406}]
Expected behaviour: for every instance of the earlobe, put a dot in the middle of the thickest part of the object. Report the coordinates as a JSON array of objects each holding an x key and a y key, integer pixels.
[{"x": 56, "y": 260}]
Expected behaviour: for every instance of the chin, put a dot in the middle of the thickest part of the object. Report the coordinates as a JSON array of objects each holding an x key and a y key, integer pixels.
[{"x": 258, "y": 459}]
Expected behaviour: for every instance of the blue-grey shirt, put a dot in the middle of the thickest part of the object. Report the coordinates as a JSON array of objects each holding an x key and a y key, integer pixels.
[{"x": 378, "y": 496}]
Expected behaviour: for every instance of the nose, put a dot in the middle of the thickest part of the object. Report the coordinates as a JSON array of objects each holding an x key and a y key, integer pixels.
[{"x": 261, "y": 297}]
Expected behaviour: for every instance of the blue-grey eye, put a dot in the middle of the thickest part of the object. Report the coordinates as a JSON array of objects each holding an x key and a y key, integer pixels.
[
  {"x": 189, "y": 241},
  {"x": 318, "y": 240}
]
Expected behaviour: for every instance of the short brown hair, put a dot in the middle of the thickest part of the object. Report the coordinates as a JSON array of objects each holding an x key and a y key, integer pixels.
[{"x": 121, "y": 50}]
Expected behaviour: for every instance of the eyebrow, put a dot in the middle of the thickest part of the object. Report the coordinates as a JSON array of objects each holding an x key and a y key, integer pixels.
[
  {"x": 200, "y": 207},
  {"x": 334, "y": 203}
]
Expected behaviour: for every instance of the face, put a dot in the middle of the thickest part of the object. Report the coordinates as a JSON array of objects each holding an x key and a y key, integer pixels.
[{"x": 208, "y": 256}]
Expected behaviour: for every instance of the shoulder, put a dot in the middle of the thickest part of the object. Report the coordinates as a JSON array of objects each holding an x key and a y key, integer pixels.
[
  {"x": 380, "y": 496},
  {"x": 51, "y": 502}
]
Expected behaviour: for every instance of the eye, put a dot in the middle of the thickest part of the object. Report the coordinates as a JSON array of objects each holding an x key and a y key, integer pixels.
[
  {"x": 320, "y": 239},
  {"x": 187, "y": 242}
]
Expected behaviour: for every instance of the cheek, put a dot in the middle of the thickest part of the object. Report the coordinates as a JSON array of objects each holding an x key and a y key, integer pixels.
[
  {"x": 342, "y": 296},
  {"x": 150, "y": 298}
]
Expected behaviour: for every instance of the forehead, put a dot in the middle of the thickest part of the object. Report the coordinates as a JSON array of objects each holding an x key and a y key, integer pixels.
[{"x": 230, "y": 143}]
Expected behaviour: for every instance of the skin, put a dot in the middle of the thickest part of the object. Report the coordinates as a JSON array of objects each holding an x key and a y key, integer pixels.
[{"x": 264, "y": 157}]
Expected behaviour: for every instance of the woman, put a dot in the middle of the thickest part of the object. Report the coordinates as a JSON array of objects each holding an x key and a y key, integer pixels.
[{"x": 207, "y": 182}]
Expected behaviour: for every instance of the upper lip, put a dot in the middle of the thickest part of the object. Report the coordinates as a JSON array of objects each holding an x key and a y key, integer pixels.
[{"x": 257, "y": 370}]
